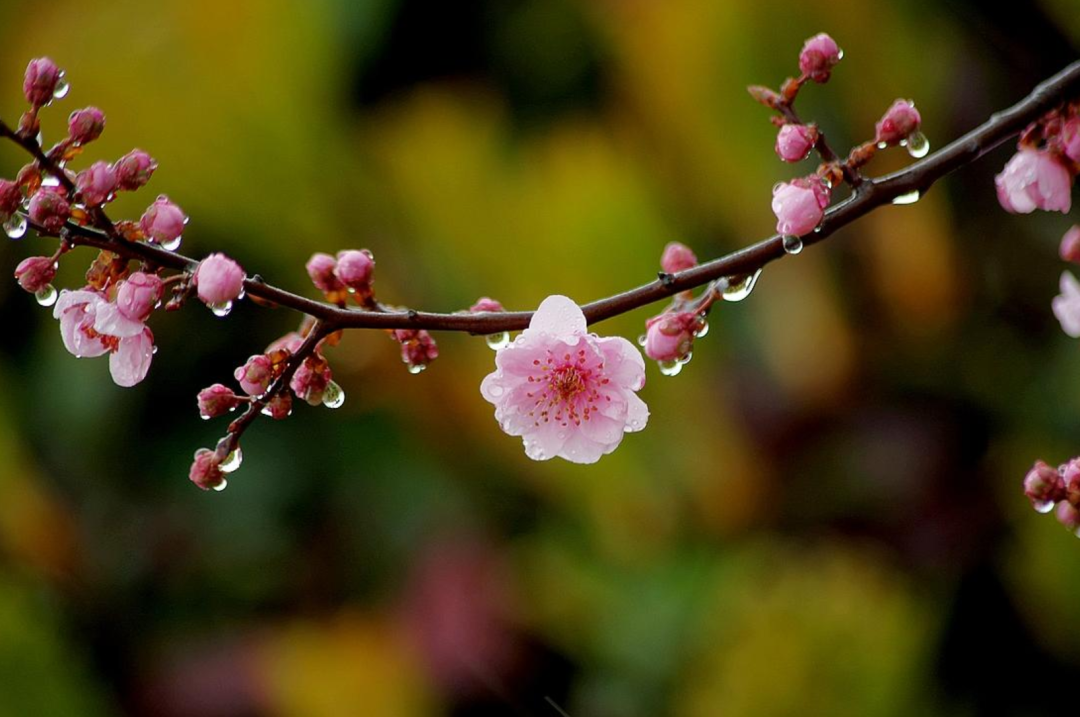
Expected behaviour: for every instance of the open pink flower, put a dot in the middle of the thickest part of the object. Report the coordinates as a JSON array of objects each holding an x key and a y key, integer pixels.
[
  {"x": 567, "y": 392},
  {"x": 1034, "y": 179},
  {"x": 1066, "y": 305},
  {"x": 91, "y": 326}
]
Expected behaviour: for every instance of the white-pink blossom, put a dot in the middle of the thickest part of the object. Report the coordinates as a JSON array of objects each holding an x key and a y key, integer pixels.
[
  {"x": 566, "y": 392},
  {"x": 91, "y": 326},
  {"x": 1066, "y": 305},
  {"x": 1034, "y": 179}
]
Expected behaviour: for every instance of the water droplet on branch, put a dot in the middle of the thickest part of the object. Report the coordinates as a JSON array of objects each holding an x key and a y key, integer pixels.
[
  {"x": 918, "y": 146},
  {"x": 792, "y": 244},
  {"x": 498, "y": 341},
  {"x": 909, "y": 198},
  {"x": 739, "y": 287},
  {"x": 232, "y": 461}
]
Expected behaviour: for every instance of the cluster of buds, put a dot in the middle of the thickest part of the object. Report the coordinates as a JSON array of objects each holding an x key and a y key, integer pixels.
[
  {"x": 1048, "y": 487},
  {"x": 1040, "y": 175},
  {"x": 669, "y": 336},
  {"x": 347, "y": 277}
]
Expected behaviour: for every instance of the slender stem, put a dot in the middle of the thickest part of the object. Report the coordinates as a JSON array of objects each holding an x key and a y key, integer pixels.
[{"x": 872, "y": 193}]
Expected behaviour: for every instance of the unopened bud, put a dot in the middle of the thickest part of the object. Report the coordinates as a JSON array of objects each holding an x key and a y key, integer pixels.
[
  {"x": 217, "y": 400},
  {"x": 86, "y": 125},
  {"x": 35, "y": 273},
  {"x": 485, "y": 304},
  {"x": 255, "y": 375},
  {"x": 40, "y": 81},
  {"x": 50, "y": 209},
  {"x": 794, "y": 142},
  {"x": 677, "y": 257},
  {"x": 899, "y": 122},
  {"x": 819, "y": 55},
  {"x": 354, "y": 269},
  {"x": 320, "y": 267},
  {"x": 206, "y": 469},
  {"x": 134, "y": 170},
  {"x": 97, "y": 184}
]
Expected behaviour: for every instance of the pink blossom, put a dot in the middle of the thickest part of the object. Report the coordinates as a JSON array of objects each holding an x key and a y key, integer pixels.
[
  {"x": 819, "y": 55},
  {"x": 34, "y": 273},
  {"x": 900, "y": 121},
  {"x": 219, "y": 280},
  {"x": 1043, "y": 484},
  {"x": 677, "y": 257},
  {"x": 354, "y": 268},
  {"x": 799, "y": 205},
  {"x": 138, "y": 295},
  {"x": 320, "y": 267},
  {"x": 97, "y": 184},
  {"x": 40, "y": 81},
  {"x": 163, "y": 221},
  {"x": 1068, "y": 516},
  {"x": 567, "y": 392},
  {"x": 1066, "y": 305},
  {"x": 279, "y": 407},
  {"x": 86, "y": 125},
  {"x": 485, "y": 304},
  {"x": 1070, "y": 138},
  {"x": 217, "y": 400},
  {"x": 311, "y": 379},
  {"x": 1070, "y": 245},
  {"x": 670, "y": 337},
  {"x": 794, "y": 142},
  {"x": 10, "y": 198},
  {"x": 91, "y": 326},
  {"x": 1034, "y": 179},
  {"x": 418, "y": 348},
  {"x": 206, "y": 469},
  {"x": 50, "y": 209},
  {"x": 255, "y": 375},
  {"x": 134, "y": 169}
]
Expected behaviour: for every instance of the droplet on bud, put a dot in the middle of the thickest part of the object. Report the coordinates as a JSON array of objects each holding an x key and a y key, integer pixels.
[
  {"x": 670, "y": 368},
  {"x": 1042, "y": 506},
  {"x": 172, "y": 245},
  {"x": 222, "y": 485},
  {"x": 62, "y": 88},
  {"x": 739, "y": 287},
  {"x": 498, "y": 341},
  {"x": 221, "y": 309},
  {"x": 232, "y": 461},
  {"x": 792, "y": 244},
  {"x": 46, "y": 296},
  {"x": 703, "y": 330},
  {"x": 15, "y": 226},
  {"x": 333, "y": 396},
  {"x": 415, "y": 368},
  {"x": 909, "y": 198},
  {"x": 918, "y": 146}
]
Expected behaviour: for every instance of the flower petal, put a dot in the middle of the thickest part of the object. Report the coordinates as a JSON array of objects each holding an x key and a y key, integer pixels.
[
  {"x": 131, "y": 360},
  {"x": 112, "y": 322},
  {"x": 558, "y": 316}
]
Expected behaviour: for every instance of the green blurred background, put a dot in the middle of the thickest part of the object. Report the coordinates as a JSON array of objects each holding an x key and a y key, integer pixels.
[{"x": 823, "y": 516}]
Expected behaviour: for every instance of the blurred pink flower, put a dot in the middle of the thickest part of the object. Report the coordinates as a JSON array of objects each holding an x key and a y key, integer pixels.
[
  {"x": 566, "y": 392},
  {"x": 1034, "y": 179},
  {"x": 1066, "y": 305}
]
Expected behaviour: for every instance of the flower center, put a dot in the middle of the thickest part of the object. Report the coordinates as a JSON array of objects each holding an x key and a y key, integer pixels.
[
  {"x": 567, "y": 382},
  {"x": 568, "y": 389}
]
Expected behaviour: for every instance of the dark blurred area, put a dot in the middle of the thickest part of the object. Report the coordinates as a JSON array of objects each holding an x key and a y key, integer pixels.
[{"x": 824, "y": 515}]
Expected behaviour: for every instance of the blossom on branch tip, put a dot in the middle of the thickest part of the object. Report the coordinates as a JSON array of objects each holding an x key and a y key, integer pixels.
[
  {"x": 50, "y": 209},
  {"x": 91, "y": 326},
  {"x": 86, "y": 125},
  {"x": 670, "y": 336},
  {"x": 1043, "y": 483},
  {"x": 311, "y": 379},
  {"x": 217, "y": 400},
  {"x": 206, "y": 469},
  {"x": 134, "y": 170},
  {"x": 485, "y": 304},
  {"x": 799, "y": 205},
  {"x": 677, "y": 257},
  {"x": 96, "y": 184},
  {"x": 1066, "y": 305},
  {"x": 566, "y": 392},
  {"x": 255, "y": 375},
  {"x": 418, "y": 348},
  {"x": 218, "y": 280},
  {"x": 40, "y": 81},
  {"x": 819, "y": 55},
  {"x": 138, "y": 295},
  {"x": 354, "y": 269},
  {"x": 900, "y": 121},
  {"x": 35, "y": 273},
  {"x": 320, "y": 267},
  {"x": 794, "y": 142},
  {"x": 1034, "y": 179}
]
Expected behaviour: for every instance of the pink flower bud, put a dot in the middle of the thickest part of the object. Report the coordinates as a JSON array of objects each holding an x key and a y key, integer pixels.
[
  {"x": 10, "y": 199},
  {"x": 134, "y": 169},
  {"x": 677, "y": 257},
  {"x": 40, "y": 81},
  {"x": 320, "y": 267},
  {"x": 670, "y": 337},
  {"x": 354, "y": 269},
  {"x": 899, "y": 122},
  {"x": 206, "y": 470},
  {"x": 794, "y": 142},
  {"x": 97, "y": 184},
  {"x": 418, "y": 348},
  {"x": 163, "y": 221},
  {"x": 1044, "y": 485},
  {"x": 138, "y": 295},
  {"x": 86, "y": 125},
  {"x": 50, "y": 209},
  {"x": 255, "y": 375},
  {"x": 35, "y": 273},
  {"x": 1069, "y": 516},
  {"x": 279, "y": 407},
  {"x": 219, "y": 280},
  {"x": 217, "y": 400},
  {"x": 1070, "y": 476},
  {"x": 310, "y": 380},
  {"x": 485, "y": 304},
  {"x": 819, "y": 55},
  {"x": 799, "y": 205},
  {"x": 1070, "y": 139},
  {"x": 1070, "y": 245},
  {"x": 1034, "y": 179}
]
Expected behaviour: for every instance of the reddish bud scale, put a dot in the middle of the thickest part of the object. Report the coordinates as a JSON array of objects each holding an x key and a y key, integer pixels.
[{"x": 10, "y": 199}]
